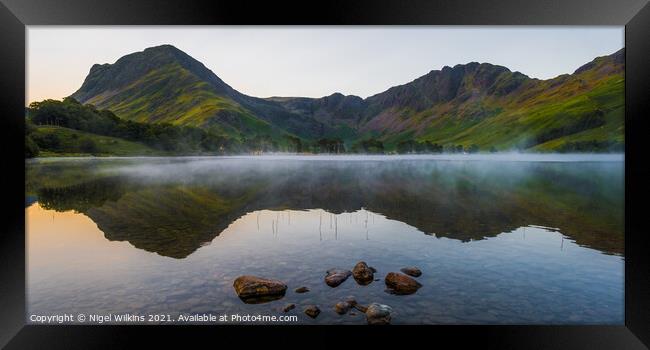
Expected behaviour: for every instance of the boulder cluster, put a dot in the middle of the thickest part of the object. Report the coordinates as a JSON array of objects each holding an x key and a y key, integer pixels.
[{"x": 252, "y": 290}]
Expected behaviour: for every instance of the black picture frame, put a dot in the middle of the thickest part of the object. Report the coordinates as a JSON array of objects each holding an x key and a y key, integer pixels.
[{"x": 15, "y": 15}]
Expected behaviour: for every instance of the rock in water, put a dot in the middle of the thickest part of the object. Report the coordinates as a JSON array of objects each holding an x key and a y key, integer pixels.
[
  {"x": 399, "y": 283},
  {"x": 312, "y": 311},
  {"x": 342, "y": 307},
  {"x": 255, "y": 290},
  {"x": 289, "y": 307},
  {"x": 362, "y": 273},
  {"x": 351, "y": 300},
  {"x": 301, "y": 290},
  {"x": 378, "y": 314},
  {"x": 361, "y": 308},
  {"x": 335, "y": 277},
  {"x": 412, "y": 271}
]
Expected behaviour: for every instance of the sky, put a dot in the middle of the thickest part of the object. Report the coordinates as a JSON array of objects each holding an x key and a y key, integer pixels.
[{"x": 314, "y": 61}]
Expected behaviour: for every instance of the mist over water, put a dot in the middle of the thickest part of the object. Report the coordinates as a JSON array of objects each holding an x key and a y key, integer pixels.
[{"x": 500, "y": 238}]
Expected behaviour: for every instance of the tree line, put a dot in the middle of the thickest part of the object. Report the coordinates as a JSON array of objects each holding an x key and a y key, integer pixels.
[
  {"x": 174, "y": 139},
  {"x": 69, "y": 113}
]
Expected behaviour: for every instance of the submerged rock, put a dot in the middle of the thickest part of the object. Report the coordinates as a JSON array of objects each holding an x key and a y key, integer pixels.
[
  {"x": 335, "y": 277},
  {"x": 374, "y": 270},
  {"x": 289, "y": 307},
  {"x": 362, "y": 273},
  {"x": 360, "y": 308},
  {"x": 255, "y": 290},
  {"x": 342, "y": 307},
  {"x": 312, "y": 311},
  {"x": 351, "y": 300},
  {"x": 412, "y": 271},
  {"x": 301, "y": 290},
  {"x": 378, "y": 314},
  {"x": 399, "y": 283}
]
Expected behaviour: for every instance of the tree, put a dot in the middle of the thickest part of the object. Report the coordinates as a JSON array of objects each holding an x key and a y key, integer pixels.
[
  {"x": 295, "y": 144},
  {"x": 31, "y": 148},
  {"x": 335, "y": 145},
  {"x": 213, "y": 142},
  {"x": 71, "y": 100},
  {"x": 87, "y": 145},
  {"x": 371, "y": 145},
  {"x": 407, "y": 146},
  {"x": 449, "y": 149},
  {"x": 47, "y": 141},
  {"x": 432, "y": 147},
  {"x": 72, "y": 114}
]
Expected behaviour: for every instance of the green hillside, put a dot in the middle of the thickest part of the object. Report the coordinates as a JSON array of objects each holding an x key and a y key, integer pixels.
[
  {"x": 59, "y": 141},
  {"x": 190, "y": 102},
  {"x": 162, "y": 84},
  {"x": 493, "y": 107},
  {"x": 468, "y": 107},
  {"x": 542, "y": 123}
]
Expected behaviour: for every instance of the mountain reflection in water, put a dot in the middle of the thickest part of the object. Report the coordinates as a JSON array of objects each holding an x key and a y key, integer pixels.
[
  {"x": 537, "y": 240},
  {"x": 172, "y": 206}
]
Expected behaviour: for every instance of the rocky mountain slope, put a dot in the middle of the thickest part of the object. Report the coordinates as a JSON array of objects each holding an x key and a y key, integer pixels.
[{"x": 469, "y": 104}]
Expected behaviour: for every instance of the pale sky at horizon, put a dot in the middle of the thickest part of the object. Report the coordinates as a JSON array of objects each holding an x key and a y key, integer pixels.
[{"x": 314, "y": 61}]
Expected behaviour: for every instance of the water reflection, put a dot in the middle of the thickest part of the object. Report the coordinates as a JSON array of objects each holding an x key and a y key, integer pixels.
[
  {"x": 497, "y": 242},
  {"x": 173, "y": 207}
]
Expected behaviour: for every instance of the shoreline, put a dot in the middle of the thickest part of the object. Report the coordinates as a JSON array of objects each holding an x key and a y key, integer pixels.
[{"x": 504, "y": 157}]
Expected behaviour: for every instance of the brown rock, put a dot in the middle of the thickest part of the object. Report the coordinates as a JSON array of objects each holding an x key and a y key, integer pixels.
[
  {"x": 255, "y": 290},
  {"x": 351, "y": 300},
  {"x": 335, "y": 277},
  {"x": 301, "y": 290},
  {"x": 342, "y": 307},
  {"x": 360, "y": 308},
  {"x": 399, "y": 283},
  {"x": 312, "y": 311},
  {"x": 289, "y": 307},
  {"x": 362, "y": 273},
  {"x": 412, "y": 271},
  {"x": 377, "y": 314}
]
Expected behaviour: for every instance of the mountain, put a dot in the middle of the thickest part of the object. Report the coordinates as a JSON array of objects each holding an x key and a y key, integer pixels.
[
  {"x": 489, "y": 105},
  {"x": 164, "y": 84},
  {"x": 469, "y": 104},
  {"x": 333, "y": 110}
]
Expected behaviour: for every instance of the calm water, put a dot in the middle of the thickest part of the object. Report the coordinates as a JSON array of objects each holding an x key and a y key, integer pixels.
[{"x": 507, "y": 239}]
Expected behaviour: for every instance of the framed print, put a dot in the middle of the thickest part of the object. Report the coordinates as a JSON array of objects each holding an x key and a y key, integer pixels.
[{"x": 464, "y": 170}]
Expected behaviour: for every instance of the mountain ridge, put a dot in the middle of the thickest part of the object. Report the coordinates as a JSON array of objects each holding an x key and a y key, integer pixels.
[{"x": 449, "y": 105}]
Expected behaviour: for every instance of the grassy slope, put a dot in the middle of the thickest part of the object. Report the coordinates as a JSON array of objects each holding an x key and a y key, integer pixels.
[
  {"x": 71, "y": 138},
  {"x": 540, "y": 106},
  {"x": 174, "y": 95},
  {"x": 508, "y": 129},
  {"x": 143, "y": 99}
]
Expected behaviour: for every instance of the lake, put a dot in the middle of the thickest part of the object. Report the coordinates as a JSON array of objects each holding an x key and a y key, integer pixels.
[{"x": 500, "y": 239}]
